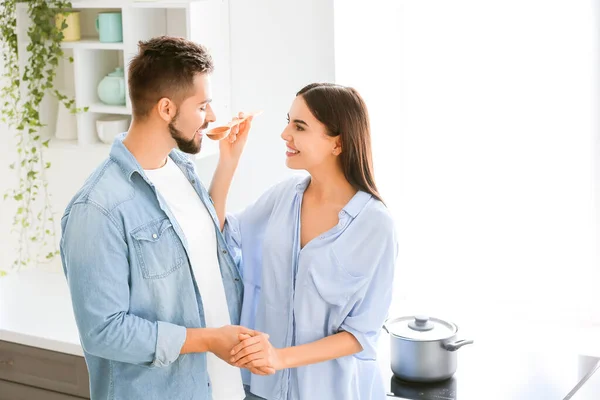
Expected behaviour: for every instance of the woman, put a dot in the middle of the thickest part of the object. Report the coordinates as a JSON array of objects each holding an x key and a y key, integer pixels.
[{"x": 317, "y": 256}]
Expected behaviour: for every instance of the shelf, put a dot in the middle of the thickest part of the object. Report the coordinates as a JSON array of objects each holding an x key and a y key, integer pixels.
[
  {"x": 62, "y": 144},
  {"x": 92, "y": 60},
  {"x": 106, "y": 109},
  {"x": 84, "y": 4},
  {"x": 92, "y": 43},
  {"x": 164, "y": 3}
]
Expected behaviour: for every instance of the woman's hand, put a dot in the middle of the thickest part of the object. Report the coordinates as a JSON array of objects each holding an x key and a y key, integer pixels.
[
  {"x": 232, "y": 146},
  {"x": 256, "y": 352}
]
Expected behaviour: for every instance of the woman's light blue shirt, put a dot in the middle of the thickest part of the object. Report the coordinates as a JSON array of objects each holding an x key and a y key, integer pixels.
[{"x": 340, "y": 281}]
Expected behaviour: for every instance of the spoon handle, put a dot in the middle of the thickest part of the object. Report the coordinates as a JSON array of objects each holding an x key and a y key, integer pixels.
[{"x": 239, "y": 121}]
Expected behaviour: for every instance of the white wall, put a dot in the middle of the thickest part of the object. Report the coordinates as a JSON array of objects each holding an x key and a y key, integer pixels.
[
  {"x": 274, "y": 53},
  {"x": 277, "y": 48},
  {"x": 482, "y": 115}
]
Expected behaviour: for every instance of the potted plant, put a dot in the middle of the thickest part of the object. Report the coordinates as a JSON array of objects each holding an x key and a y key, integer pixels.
[{"x": 22, "y": 92}]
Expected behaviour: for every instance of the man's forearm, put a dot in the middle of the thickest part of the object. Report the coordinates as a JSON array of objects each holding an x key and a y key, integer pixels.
[
  {"x": 197, "y": 340},
  {"x": 219, "y": 188},
  {"x": 335, "y": 346}
]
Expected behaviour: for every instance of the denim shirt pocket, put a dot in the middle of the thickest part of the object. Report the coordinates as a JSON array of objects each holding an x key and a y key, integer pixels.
[{"x": 159, "y": 250}]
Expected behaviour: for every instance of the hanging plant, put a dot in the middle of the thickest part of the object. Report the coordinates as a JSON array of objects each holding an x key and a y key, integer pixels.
[{"x": 22, "y": 94}]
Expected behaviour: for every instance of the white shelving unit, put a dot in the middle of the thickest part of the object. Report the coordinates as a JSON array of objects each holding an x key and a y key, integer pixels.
[{"x": 203, "y": 21}]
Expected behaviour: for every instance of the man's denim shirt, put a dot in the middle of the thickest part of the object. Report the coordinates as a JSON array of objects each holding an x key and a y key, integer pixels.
[{"x": 133, "y": 291}]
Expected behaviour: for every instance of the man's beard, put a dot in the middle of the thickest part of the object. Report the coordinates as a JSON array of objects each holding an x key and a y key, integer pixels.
[{"x": 187, "y": 146}]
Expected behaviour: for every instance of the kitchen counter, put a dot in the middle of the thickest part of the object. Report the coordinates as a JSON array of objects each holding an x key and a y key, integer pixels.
[
  {"x": 35, "y": 310},
  {"x": 502, "y": 364},
  {"x": 537, "y": 364}
]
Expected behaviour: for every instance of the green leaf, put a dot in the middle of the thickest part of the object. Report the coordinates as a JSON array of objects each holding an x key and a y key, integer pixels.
[{"x": 45, "y": 144}]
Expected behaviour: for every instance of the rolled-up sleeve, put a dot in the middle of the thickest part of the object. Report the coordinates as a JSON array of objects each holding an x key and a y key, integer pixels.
[
  {"x": 366, "y": 317},
  {"x": 94, "y": 255}
]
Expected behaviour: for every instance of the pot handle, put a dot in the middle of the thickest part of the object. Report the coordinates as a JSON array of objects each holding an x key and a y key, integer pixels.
[{"x": 457, "y": 345}]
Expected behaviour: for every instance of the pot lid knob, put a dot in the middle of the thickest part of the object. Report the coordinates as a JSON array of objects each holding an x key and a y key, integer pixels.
[{"x": 421, "y": 323}]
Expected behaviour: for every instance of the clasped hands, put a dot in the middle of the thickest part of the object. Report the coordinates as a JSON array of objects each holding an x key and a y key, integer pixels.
[{"x": 247, "y": 348}]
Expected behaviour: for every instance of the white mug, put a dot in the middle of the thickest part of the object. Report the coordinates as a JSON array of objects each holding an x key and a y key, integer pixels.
[
  {"x": 110, "y": 127},
  {"x": 66, "y": 124}
]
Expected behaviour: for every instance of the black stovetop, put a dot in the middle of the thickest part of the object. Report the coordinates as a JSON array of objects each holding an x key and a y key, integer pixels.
[
  {"x": 446, "y": 390},
  {"x": 500, "y": 370}
]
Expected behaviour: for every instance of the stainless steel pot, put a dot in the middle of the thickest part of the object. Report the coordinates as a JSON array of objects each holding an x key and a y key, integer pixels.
[{"x": 423, "y": 349}]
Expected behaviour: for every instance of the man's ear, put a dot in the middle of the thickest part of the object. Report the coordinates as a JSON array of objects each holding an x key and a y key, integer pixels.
[{"x": 166, "y": 109}]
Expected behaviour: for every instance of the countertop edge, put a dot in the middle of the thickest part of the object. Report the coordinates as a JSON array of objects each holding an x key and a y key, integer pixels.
[{"x": 41, "y": 343}]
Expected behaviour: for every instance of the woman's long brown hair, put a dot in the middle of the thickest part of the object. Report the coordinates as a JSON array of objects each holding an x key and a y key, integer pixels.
[{"x": 344, "y": 113}]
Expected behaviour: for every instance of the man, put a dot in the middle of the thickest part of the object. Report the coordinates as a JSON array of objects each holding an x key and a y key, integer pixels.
[{"x": 155, "y": 291}]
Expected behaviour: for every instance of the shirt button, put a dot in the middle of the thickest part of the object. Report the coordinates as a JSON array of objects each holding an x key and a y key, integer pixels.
[
  {"x": 154, "y": 236},
  {"x": 224, "y": 251},
  {"x": 193, "y": 181},
  {"x": 342, "y": 213}
]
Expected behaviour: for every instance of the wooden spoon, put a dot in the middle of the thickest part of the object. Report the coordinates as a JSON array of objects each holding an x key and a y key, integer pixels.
[{"x": 221, "y": 132}]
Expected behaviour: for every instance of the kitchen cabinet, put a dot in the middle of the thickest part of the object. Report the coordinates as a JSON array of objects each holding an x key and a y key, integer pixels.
[{"x": 33, "y": 373}]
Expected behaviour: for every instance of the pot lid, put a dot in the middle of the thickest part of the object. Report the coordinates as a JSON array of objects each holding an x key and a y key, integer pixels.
[{"x": 420, "y": 327}]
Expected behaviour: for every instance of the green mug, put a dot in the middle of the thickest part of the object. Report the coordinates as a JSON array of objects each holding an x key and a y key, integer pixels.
[{"x": 110, "y": 27}]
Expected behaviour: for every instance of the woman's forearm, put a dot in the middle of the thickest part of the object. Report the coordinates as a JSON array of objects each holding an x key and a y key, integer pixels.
[
  {"x": 219, "y": 188},
  {"x": 335, "y": 346}
]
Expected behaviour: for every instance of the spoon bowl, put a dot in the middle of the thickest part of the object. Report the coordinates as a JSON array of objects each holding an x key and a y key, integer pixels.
[{"x": 221, "y": 132}]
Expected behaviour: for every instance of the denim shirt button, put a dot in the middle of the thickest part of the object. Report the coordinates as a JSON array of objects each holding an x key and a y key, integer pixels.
[
  {"x": 224, "y": 251},
  {"x": 193, "y": 181},
  {"x": 154, "y": 236}
]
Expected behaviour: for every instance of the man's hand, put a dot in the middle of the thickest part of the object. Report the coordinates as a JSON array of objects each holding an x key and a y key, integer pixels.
[
  {"x": 223, "y": 339},
  {"x": 232, "y": 146},
  {"x": 255, "y": 351}
]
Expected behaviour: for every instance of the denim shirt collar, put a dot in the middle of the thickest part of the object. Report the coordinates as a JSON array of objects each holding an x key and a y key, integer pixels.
[{"x": 120, "y": 154}]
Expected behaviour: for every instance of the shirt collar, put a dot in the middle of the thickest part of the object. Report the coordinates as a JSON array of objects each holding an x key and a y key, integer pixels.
[
  {"x": 128, "y": 163},
  {"x": 357, "y": 203},
  {"x": 354, "y": 206}
]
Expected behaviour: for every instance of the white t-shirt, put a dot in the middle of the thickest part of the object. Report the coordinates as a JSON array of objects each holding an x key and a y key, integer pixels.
[{"x": 199, "y": 230}]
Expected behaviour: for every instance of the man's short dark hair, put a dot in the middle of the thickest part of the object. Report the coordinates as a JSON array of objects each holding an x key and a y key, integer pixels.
[{"x": 165, "y": 67}]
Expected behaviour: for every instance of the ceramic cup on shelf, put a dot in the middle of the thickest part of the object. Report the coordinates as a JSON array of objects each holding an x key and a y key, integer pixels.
[
  {"x": 72, "y": 32},
  {"x": 110, "y": 127},
  {"x": 110, "y": 27}
]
